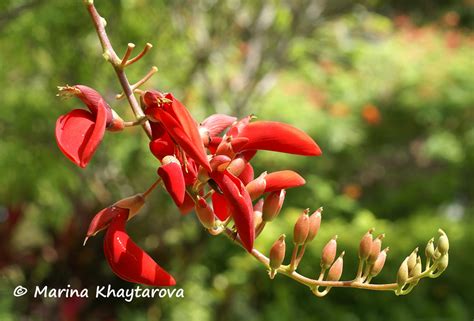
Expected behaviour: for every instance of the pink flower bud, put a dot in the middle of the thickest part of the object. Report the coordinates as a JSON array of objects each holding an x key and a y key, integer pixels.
[
  {"x": 365, "y": 245},
  {"x": 257, "y": 212},
  {"x": 272, "y": 205},
  {"x": 301, "y": 229},
  {"x": 257, "y": 186},
  {"x": 335, "y": 271},
  {"x": 329, "y": 253},
  {"x": 204, "y": 213},
  {"x": 237, "y": 166},
  {"x": 379, "y": 263},
  {"x": 277, "y": 252},
  {"x": 314, "y": 224},
  {"x": 375, "y": 249},
  {"x": 219, "y": 163}
]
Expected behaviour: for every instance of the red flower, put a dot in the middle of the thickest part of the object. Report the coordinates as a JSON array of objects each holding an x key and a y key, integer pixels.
[
  {"x": 240, "y": 205},
  {"x": 283, "y": 180},
  {"x": 173, "y": 177},
  {"x": 178, "y": 123},
  {"x": 278, "y": 137},
  {"x": 79, "y": 132},
  {"x": 129, "y": 261}
]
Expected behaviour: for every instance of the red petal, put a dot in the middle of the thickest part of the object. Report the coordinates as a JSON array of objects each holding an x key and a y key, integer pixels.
[
  {"x": 283, "y": 180},
  {"x": 214, "y": 143},
  {"x": 129, "y": 261},
  {"x": 256, "y": 187},
  {"x": 173, "y": 178},
  {"x": 78, "y": 135},
  {"x": 188, "y": 205},
  {"x": 102, "y": 219},
  {"x": 247, "y": 175},
  {"x": 240, "y": 205},
  {"x": 217, "y": 123},
  {"x": 190, "y": 147},
  {"x": 279, "y": 137},
  {"x": 220, "y": 207},
  {"x": 161, "y": 148}
]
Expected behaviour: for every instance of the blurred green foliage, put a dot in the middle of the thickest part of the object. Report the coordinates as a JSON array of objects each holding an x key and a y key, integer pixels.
[{"x": 385, "y": 88}]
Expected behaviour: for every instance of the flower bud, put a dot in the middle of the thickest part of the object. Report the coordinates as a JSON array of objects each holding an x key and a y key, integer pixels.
[
  {"x": 379, "y": 263},
  {"x": 257, "y": 186},
  {"x": 272, "y": 205},
  {"x": 416, "y": 271},
  {"x": 443, "y": 243},
  {"x": 314, "y": 224},
  {"x": 133, "y": 204},
  {"x": 335, "y": 271},
  {"x": 219, "y": 163},
  {"x": 237, "y": 166},
  {"x": 365, "y": 245},
  {"x": 257, "y": 212},
  {"x": 116, "y": 124},
  {"x": 329, "y": 253},
  {"x": 402, "y": 275},
  {"x": 443, "y": 263},
  {"x": 204, "y": 213},
  {"x": 430, "y": 250},
  {"x": 375, "y": 249},
  {"x": 277, "y": 252},
  {"x": 225, "y": 148},
  {"x": 412, "y": 259},
  {"x": 277, "y": 255},
  {"x": 301, "y": 229}
]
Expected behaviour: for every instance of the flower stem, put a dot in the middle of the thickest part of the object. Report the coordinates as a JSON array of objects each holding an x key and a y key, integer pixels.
[{"x": 111, "y": 56}]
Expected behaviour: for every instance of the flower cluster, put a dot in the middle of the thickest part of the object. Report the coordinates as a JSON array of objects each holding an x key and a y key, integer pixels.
[
  {"x": 206, "y": 167},
  {"x": 198, "y": 161}
]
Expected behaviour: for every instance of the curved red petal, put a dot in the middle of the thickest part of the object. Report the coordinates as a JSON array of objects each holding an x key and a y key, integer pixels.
[
  {"x": 173, "y": 178},
  {"x": 283, "y": 180},
  {"x": 279, "y": 137},
  {"x": 73, "y": 134},
  {"x": 240, "y": 205},
  {"x": 128, "y": 260},
  {"x": 96, "y": 136},
  {"x": 220, "y": 207},
  {"x": 102, "y": 219},
  {"x": 188, "y": 205},
  {"x": 193, "y": 149},
  {"x": 161, "y": 148},
  {"x": 247, "y": 174}
]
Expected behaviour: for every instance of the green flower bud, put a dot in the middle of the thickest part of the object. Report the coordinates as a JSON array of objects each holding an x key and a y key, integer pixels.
[
  {"x": 412, "y": 259},
  {"x": 301, "y": 229},
  {"x": 365, "y": 245},
  {"x": 329, "y": 253},
  {"x": 416, "y": 271},
  {"x": 335, "y": 271},
  {"x": 402, "y": 275},
  {"x": 443, "y": 243},
  {"x": 443, "y": 263},
  {"x": 430, "y": 250}
]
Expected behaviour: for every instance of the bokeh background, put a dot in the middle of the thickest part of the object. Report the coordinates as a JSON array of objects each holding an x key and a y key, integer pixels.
[{"x": 386, "y": 88}]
